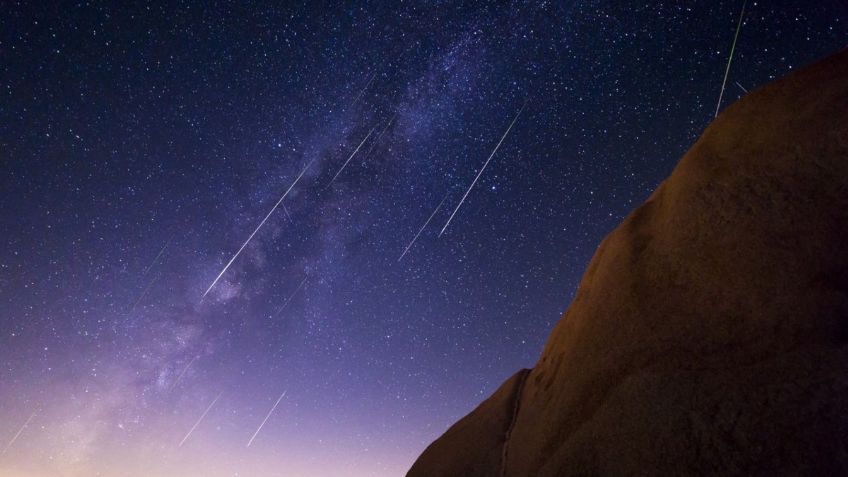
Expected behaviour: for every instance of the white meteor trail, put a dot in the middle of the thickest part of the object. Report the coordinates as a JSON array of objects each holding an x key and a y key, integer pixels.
[
  {"x": 730, "y": 58},
  {"x": 286, "y": 303},
  {"x": 18, "y": 434},
  {"x": 198, "y": 421},
  {"x": 144, "y": 293},
  {"x": 363, "y": 89},
  {"x": 422, "y": 228},
  {"x": 377, "y": 141},
  {"x": 266, "y": 418},
  {"x": 177, "y": 381},
  {"x": 482, "y": 169},
  {"x": 743, "y": 88},
  {"x": 256, "y": 230},
  {"x": 351, "y": 156},
  {"x": 168, "y": 242}
]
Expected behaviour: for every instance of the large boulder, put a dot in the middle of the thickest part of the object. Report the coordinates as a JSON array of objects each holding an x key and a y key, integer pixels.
[{"x": 708, "y": 334}]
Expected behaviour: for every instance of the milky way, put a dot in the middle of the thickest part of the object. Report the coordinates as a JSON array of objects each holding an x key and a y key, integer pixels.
[{"x": 142, "y": 145}]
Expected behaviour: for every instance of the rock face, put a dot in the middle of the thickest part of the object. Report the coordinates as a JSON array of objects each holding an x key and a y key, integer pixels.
[{"x": 708, "y": 335}]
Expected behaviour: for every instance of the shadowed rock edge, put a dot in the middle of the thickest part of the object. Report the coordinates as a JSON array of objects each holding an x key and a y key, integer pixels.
[{"x": 522, "y": 379}]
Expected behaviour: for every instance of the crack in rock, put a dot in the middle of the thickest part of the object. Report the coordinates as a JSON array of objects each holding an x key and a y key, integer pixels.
[{"x": 515, "y": 407}]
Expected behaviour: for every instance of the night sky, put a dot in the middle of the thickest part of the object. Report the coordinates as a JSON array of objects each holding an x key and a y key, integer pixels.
[{"x": 143, "y": 145}]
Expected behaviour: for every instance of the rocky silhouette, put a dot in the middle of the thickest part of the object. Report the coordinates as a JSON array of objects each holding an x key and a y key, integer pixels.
[{"x": 708, "y": 334}]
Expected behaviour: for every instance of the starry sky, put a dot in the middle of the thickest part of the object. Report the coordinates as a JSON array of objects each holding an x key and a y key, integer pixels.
[{"x": 142, "y": 145}]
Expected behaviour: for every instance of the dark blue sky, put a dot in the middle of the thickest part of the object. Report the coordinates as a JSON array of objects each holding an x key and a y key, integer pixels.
[{"x": 142, "y": 145}]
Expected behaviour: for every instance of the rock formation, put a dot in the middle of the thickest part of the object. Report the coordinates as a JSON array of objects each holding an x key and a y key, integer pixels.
[{"x": 708, "y": 334}]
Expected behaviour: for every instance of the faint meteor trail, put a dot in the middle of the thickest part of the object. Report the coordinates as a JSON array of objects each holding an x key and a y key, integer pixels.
[
  {"x": 266, "y": 418},
  {"x": 286, "y": 303},
  {"x": 730, "y": 58},
  {"x": 256, "y": 230},
  {"x": 144, "y": 293},
  {"x": 18, "y": 434},
  {"x": 198, "y": 421},
  {"x": 351, "y": 156},
  {"x": 177, "y": 381},
  {"x": 482, "y": 169},
  {"x": 168, "y": 242},
  {"x": 377, "y": 141},
  {"x": 364, "y": 89},
  {"x": 743, "y": 88},
  {"x": 411, "y": 243}
]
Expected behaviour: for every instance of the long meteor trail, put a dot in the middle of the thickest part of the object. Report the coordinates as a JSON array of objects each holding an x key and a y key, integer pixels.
[
  {"x": 168, "y": 242},
  {"x": 21, "y": 430},
  {"x": 483, "y": 168},
  {"x": 286, "y": 303},
  {"x": 411, "y": 243},
  {"x": 730, "y": 58},
  {"x": 364, "y": 89},
  {"x": 377, "y": 141},
  {"x": 144, "y": 293},
  {"x": 256, "y": 230},
  {"x": 177, "y": 381},
  {"x": 266, "y": 418},
  {"x": 198, "y": 421},
  {"x": 351, "y": 156}
]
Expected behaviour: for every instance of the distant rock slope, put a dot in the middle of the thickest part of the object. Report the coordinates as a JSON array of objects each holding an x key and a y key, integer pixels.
[{"x": 708, "y": 334}]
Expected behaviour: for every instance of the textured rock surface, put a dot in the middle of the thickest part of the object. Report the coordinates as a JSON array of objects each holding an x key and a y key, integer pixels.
[{"x": 708, "y": 334}]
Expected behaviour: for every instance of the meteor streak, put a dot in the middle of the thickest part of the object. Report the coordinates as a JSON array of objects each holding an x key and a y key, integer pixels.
[
  {"x": 286, "y": 303},
  {"x": 351, "y": 156},
  {"x": 168, "y": 242},
  {"x": 422, "y": 228},
  {"x": 266, "y": 418},
  {"x": 730, "y": 58},
  {"x": 17, "y": 435},
  {"x": 483, "y": 168},
  {"x": 363, "y": 89},
  {"x": 256, "y": 230},
  {"x": 743, "y": 88},
  {"x": 144, "y": 293},
  {"x": 177, "y": 381},
  {"x": 377, "y": 141},
  {"x": 198, "y": 421}
]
